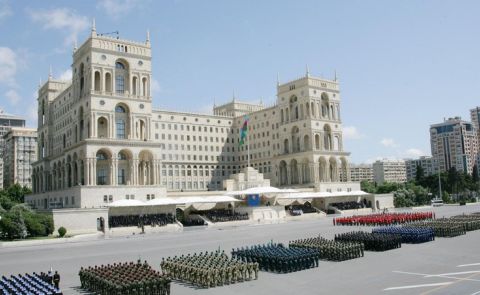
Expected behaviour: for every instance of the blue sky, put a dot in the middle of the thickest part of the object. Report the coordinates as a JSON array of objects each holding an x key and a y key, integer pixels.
[{"x": 403, "y": 65}]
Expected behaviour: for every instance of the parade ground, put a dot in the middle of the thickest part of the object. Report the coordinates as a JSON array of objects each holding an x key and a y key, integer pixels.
[{"x": 444, "y": 266}]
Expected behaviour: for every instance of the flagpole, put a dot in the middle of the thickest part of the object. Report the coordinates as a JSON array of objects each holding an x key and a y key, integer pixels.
[{"x": 248, "y": 147}]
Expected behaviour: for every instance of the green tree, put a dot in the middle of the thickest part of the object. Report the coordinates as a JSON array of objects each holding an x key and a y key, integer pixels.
[
  {"x": 387, "y": 187},
  {"x": 368, "y": 187},
  {"x": 420, "y": 174},
  {"x": 403, "y": 198},
  {"x": 12, "y": 226},
  {"x": 17, "y": 193}
]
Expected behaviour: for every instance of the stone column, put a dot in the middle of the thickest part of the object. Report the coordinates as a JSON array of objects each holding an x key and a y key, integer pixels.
[
  {"x": 289, "y": 174},
  {"x": 94, "y": 171}
]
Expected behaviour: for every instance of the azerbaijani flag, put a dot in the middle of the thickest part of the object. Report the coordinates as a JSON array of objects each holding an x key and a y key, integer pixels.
[{"x": 244, "y": 130}]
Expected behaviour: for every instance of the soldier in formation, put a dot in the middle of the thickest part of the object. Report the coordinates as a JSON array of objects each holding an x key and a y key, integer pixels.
[
  {"x": 410, "y": 235},
  {"x": 277, "y": 258},
  {"x": 372, "y": 241},
  {"x": 331, "y": 250},
  {"x": 207, "y": 270},
  {"x": 443, "y": 227},
  {"x": 383, "y": 219},
  {"x": 124, "y": 278}
]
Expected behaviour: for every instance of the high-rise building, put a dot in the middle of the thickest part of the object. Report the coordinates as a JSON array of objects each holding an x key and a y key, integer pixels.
[
  {"x": 427, "y": 163},
  {"x": 20, "y": 153},
  {"x": 387, "y": 170},
  {"x": 362, "y": 172},
  {"x": 100, "y": 140},
  {"x": 6, "y": 122},
  {"x": 475, "y": 117},
  {"x": 454, "y": 144}
]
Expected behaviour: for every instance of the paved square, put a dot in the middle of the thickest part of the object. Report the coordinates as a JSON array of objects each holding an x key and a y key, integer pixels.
[{"x": 445, "y": 266}]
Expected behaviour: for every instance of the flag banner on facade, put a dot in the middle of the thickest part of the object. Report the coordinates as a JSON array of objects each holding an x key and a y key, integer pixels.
[{"x": 244, "y": 130}]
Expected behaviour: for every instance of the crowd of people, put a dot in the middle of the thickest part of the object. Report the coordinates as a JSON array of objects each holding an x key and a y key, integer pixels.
[
  {"x": 348, "y": 205},
  {"x": 331, "y": 250},
  {"x": 31, "y": 284},
  {"x": 124, "y": 278},
  {"x": 371, "y": 241},
  {"x": 223, "y": 215},
  {"x": 159, "y": 219},
  {"x": 383, "y": 219},
  {"x": 278, "y": 258},
  {"x": 208, "y": 269},
  {"x": 409, "y": 235}
]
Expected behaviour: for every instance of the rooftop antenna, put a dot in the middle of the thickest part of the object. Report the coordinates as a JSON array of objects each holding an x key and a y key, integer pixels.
[
  {"x": 110, "y": 33},
  {"x": 75, "y": 44},
  {"x": 94, "y": 28},
  {"x": 307, "y": 71},
  {"x": 335, "y": 77}
]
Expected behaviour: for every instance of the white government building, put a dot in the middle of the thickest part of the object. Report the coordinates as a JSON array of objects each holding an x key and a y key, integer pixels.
[{"x": 100, "y": 140}]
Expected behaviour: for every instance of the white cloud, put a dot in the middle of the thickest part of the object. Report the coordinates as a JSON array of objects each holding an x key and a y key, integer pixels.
[
  {"x": 117, "y": 8},
  {"x": 13, "y": 97},
  {"x": 388, "y": 142},
  {"x": 66, "y": 75},
  {"x": 351, "y": 132},
  {"x": 414, "y": 153},
  {"x": 62, "y": 19},
  {"x": 8, "y": 66},
  {"x": 155, "y": 87},
  {"x": 5, "y": 10}
]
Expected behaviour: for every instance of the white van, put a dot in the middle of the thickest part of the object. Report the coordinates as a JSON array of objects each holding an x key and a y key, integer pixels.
[{"x": 437, "y": 202}]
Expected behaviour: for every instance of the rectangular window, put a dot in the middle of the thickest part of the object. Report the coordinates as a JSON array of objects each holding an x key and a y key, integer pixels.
[
  {"x": 102, "y": 177},
  {"x": 120, "y": 84},
  {"x": 121, "y": 176},
  {"x": 120, "y": 128}
]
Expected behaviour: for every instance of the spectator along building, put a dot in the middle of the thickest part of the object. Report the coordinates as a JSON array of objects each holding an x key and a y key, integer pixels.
[
  {"x": 454, "y": 144},
  {"x": 100, "y": 139},
  {"x": 389, "y": 171}
]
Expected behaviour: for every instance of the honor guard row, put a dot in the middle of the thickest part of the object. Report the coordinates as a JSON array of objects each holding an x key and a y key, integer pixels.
[
  {"x": 383, "y": 219},
  {"x": 409, "y": 235},
  {"x": 207, "y": 270},
  {"x": 331, "y": 250},
  {"x": 124, "y": 279},
  {"x": 28, "y": 284},
  {"x": 371, "y": 241},
  {"x": 277, "y": 258}
]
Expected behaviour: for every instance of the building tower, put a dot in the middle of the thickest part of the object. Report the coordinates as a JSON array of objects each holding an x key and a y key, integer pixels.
[{"x": 95, "y": 130}]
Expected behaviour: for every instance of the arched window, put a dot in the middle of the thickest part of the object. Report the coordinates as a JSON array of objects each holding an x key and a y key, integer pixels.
[
  {"x": 120, "y": 77},
  {"x": 122, "y": 156},
  {"x": 108, "y": 82},
  {"x": 134, "y": 85},
  {"x": 120, "y": 84},
  {"x": 120, "y": 109},
  {"x": 121, "y": 119},
  {"x": 144, "y": 87},
  {"x": 101, "y": 155},
  {"x": 97, "y": 81},
  {"x": 82, "y": 78}
]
